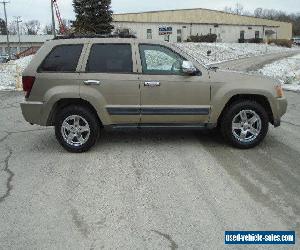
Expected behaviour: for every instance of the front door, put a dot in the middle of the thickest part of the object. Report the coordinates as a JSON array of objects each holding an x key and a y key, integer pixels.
[
  {"x": 111, "y": 81},
  {"x": 167, "y": 95}
]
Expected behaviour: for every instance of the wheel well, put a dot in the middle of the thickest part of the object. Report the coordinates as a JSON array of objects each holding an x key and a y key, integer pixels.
[
  {"x": 262, "y": 100},
  {"x": 69, "y": 102}
]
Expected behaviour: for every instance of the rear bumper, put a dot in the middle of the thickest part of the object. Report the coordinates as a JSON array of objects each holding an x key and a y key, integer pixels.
[{"x": 32, "y": 112}]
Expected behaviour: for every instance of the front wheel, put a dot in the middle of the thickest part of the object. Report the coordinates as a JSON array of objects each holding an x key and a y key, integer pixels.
[
  {"x": 76, "y": 129},
  {"x": 245, "y": 124}
]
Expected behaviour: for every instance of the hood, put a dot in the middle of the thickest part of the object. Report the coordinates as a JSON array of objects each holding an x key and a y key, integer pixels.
[{"x": 252, "y": 80}]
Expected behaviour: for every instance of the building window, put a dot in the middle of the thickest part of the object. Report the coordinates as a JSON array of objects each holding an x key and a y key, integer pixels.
[
  {"x": 256, "y": 34},
  {"x": 149, "y": 33},
  {"x": 179, "y": 36}
]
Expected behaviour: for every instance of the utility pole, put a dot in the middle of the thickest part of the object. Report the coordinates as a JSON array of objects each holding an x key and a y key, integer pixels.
[
  {"x": 53, "y": 19},
  {"x": 7, "y": 33},
  {"x": 18, "y": 21}
]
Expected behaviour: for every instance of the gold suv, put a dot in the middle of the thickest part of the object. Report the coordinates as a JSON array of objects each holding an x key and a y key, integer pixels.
[{"x": 82, "y": 85}]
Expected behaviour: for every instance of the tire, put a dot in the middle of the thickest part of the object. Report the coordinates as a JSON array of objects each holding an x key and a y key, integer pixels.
[
  {"x": 239, "y": 126},
  {"x": 77, "y": 128}
]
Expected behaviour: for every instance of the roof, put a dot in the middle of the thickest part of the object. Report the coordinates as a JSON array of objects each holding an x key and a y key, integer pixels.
[
  {"x": 26, "y": 38},
  {"x": 198, "y": 15}
]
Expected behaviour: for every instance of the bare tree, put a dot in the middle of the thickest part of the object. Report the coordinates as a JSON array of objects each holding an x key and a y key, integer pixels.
[
  {"x": 47, "y": 29},
  {"x": 258, "y": 12},
  {"x": 12, "y": 28},
  {"x": 238, "y": 9},
  {"x": 32, "y": 27},
  {"x": 279, "y": 15},
  {"x": 228, "y": 9}
]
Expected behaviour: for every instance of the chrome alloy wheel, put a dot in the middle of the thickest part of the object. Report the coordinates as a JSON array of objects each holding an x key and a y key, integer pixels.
[
  {"x": 75, "y": 130},
  {"x": 246, "y": 126}
]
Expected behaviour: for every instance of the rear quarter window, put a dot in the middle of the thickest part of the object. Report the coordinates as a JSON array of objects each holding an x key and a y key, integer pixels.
[{"x": 62, "y": 58}]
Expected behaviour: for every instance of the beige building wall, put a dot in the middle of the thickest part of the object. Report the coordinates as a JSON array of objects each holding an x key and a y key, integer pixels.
[{"x": 204, "y": 16}]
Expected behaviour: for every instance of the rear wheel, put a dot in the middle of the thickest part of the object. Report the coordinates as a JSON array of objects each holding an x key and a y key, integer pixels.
[
  {"x": 245, "y": 124},
  {"x": 76, "y": 129}
]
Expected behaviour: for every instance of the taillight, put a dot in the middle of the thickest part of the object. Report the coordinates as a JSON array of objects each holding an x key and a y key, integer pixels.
[{"x": 28, "y": 82}]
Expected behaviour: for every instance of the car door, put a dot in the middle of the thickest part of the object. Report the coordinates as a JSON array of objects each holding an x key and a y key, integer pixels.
[
  {"x": 110, "y": 80},
  {"x": 167, "y": 95}
]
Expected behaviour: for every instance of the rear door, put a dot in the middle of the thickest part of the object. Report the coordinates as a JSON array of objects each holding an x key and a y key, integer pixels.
[
  {"x": 110, "y": 78},
  {"x": 167, "y": 95}
]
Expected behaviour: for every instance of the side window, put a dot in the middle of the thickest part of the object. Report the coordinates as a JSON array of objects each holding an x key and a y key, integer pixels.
[
  {"x": 160, "y": 60},
  {"x": 63, "y": 58},
  {"x": 110, "y": 58}
]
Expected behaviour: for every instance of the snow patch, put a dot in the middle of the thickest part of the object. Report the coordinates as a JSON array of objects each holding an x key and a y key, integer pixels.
[
  {"x": 287, "y": 71},
  {"x": 11, "y": 73},
  {"x": 222, "y": 52}
]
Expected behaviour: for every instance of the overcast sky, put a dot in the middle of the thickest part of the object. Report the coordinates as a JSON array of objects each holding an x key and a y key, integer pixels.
[{"x": 40, "y": 9}]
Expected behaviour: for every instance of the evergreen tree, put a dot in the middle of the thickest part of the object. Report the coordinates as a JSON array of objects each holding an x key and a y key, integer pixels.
[{"x": 93, "y": 16}]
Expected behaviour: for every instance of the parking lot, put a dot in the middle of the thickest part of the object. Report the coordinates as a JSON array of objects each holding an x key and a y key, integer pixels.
[{"x": 143, "y": 189}]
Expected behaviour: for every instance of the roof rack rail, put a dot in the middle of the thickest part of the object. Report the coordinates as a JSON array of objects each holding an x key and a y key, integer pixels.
[{"x": 75, "y": 36}]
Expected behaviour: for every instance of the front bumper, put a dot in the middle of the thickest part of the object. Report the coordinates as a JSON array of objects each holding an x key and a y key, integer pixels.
[
  {"x": 277, "y": 123},
  {"x": 280, "y": 110},
  {"x": 32, "y": 112}
]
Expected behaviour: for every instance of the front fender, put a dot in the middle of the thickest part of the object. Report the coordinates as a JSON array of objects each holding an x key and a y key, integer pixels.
[{"x": 221, "y": 96}]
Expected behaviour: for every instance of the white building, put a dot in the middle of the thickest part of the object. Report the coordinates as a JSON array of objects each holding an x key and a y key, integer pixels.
[
  {"x": 178, "y": 25},
  {"x": 26, "y": 42}
]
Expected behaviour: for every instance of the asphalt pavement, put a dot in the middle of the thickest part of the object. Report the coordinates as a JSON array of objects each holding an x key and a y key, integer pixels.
[{"x": 144, "y": 189}]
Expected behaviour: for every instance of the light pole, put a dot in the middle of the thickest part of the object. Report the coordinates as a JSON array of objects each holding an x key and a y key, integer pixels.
[
  {"x": 53, "y": 19},
  {"x": 18, "y": 21},
  {"x": 7, "y": 35}
]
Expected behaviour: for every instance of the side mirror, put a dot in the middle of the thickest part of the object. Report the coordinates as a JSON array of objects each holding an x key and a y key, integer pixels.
[{"x": 189, "y": 68}]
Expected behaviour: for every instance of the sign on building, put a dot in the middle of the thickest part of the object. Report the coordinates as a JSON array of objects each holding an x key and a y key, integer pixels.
[{"x": 165, "y": 31}]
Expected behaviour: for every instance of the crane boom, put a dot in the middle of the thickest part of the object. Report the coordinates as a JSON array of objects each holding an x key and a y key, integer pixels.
[{"x": 62, "y": 27}]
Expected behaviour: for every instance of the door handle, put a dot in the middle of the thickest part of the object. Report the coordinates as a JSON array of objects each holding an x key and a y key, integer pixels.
[
  {"x": 92, "y": 82},
  {"x": 152, "y": 84}
]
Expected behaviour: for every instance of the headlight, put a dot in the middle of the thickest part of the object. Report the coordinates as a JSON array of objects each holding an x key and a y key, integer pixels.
[{"x": 279, "y": 91}]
